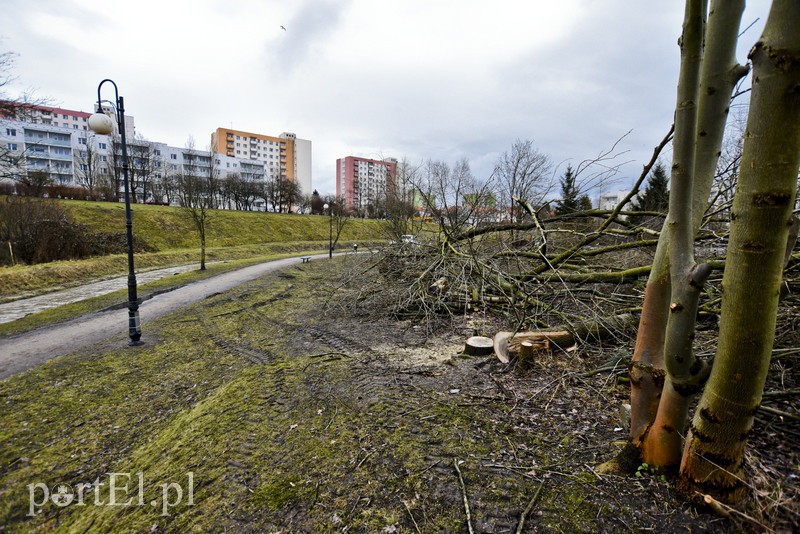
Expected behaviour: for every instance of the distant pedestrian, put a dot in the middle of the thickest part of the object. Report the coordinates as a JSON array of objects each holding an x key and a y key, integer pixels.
[{"x": 355, "y": 249}]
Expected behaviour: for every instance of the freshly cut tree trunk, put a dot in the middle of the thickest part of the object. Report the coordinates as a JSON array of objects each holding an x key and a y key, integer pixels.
[
  {"x": 760, "y": 221},
  {"x": 507, "y": 344}
]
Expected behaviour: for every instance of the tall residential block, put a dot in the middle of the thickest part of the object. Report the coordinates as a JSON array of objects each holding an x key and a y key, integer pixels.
[
  {"x": 285, "y": 156},
  {"x": 364, "y": 182}
]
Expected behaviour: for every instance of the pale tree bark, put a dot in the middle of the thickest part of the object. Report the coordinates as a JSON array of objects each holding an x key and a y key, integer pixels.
[
  {"x": 760, "y": 221},
  {"x": 662, "y": 446},
  {"x": 719, "y": 75}
]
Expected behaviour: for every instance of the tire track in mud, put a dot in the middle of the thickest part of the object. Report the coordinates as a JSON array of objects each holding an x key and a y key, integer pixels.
[{"x": 386, "y": 407}]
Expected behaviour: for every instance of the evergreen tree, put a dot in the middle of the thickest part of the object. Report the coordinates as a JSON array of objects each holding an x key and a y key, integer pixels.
[
  {"x": 655, "y": 196},
  {"x": 585, "y": 203},
  {"x": 570, "y": 201}
]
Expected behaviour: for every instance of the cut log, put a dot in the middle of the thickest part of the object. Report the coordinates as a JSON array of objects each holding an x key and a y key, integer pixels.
[
  {"x": 478, "y": 346},
  {"x": 501, "y": 345},
  {"x": 507, "y": 344}
]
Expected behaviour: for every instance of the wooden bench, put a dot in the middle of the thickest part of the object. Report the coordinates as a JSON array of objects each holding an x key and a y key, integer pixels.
[{"x": 305, "y": 259}]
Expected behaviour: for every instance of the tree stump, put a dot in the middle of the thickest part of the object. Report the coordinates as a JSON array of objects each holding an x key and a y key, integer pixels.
[
  {"x": 528, "y": 350},
  {"x": 479, "y": 346}
]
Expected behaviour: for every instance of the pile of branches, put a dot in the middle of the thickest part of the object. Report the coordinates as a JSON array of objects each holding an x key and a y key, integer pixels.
[{"x": 542, "y": 272}]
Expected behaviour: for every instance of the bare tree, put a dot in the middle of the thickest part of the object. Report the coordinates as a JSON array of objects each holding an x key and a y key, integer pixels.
[
  {"x": 452, "y": 195},
  {"x": 197, "y": 191},
  {"x": 19, "y": 107},
  {"x": 714, "y": 454},
  {"x": 87, "y": 167},
  {"x": 141, "y": 165},
  {"x": 524, "y": 173},
  {"x": 282, "y": 194},
  {"x": 666, "y": 374},
  {"x": 337, "y": 211},
  {"x": 13, "y": 159}
]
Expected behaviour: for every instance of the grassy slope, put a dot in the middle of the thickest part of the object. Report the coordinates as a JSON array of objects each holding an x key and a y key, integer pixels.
[
  {"x": 231, "y": 235},
  {"x": 167, "y": 227}
]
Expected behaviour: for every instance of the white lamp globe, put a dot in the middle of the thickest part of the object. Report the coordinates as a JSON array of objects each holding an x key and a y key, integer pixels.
[
  {"x": 325, "y": 206},
  {"x": 101, "y": 123}
]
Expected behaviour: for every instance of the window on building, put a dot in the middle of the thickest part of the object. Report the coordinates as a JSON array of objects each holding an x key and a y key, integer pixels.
[
  {"x": 103, "y": 158},
  {"x": 81, "y": 140},
  {"x": 11, "y": 132},
  {"x": 84, "y": 167},
  {"x": 173, "y": 167},
  {"x": 157, "y": 152},
  {"x": 75, "y": 126},
  {"x": 12, "y": 147},
  {"x": 173, "y": 156},
  {"x": 103, "y": 146},
  {"x": 64, "y": 116}
]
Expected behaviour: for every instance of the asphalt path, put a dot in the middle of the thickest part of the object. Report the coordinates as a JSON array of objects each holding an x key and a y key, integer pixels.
[
  {"x": 24, "y": 351},
  {"x": 17, "y": 309}
]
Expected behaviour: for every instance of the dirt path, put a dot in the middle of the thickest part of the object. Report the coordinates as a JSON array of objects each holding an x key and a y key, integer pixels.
[{"x": 21, "y": 352}]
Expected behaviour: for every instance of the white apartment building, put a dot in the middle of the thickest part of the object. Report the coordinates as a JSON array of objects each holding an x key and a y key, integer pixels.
[{"x": 59, "y": 142}]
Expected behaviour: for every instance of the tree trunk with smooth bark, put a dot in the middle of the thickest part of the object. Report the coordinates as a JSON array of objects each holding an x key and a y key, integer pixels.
[
  {"x": 719, "y": 74},
  {"x": 760, "y": 221}
]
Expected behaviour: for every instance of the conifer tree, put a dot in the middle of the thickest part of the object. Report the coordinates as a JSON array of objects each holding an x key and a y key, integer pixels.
[
  {"x": 570, "y": 200},
  {"x": 655, "y": 196}
]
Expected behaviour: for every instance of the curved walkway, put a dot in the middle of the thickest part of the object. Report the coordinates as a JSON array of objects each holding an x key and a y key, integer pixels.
[
  {"x": 17, "y": 309},
  {"x": 24, "y": 351}
]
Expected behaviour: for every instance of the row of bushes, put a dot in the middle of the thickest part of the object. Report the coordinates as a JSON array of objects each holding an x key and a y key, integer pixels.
[{"x": 39, "y": 230}]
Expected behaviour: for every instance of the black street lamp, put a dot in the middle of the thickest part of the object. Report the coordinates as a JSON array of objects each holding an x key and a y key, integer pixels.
[
  {"x": 330, "y": 230},
  {"x": 102, "y": 124}
]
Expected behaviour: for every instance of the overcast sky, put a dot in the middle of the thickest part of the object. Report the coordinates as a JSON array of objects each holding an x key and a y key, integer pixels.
[{"x": 413, "y": 79}]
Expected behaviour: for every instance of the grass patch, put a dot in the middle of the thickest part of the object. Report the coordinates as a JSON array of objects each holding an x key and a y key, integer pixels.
[{"x": 168, "y": 227}]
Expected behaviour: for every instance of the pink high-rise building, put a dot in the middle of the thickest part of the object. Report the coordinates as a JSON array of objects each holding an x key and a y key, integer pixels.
[{"x": 364, "y": 182}]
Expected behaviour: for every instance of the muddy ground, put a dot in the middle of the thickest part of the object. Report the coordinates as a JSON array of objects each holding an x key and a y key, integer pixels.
[{"x": 279, "y": 410}]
